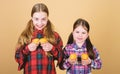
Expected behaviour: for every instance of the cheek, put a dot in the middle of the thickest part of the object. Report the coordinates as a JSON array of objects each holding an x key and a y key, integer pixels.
[
  {"x": 85, "y": 37},
  {"x": 74, "y": 36},
  {"x": 34, "y": 22},
  {"x": 44, "y": 23}
]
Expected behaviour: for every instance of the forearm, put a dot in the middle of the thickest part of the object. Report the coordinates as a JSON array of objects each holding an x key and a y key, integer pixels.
[
  {"x": 21, "y": 56},
  {"x": 67, "y": 64},
  {"x": 97, "y": 63}
]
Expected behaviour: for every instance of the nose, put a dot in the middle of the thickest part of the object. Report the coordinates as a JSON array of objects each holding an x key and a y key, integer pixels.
[
  {"x": 39, "y": 22},
  {"x": 80, "y": 34}
]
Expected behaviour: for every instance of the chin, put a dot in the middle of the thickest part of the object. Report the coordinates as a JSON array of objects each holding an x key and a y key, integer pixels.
[{"x": 39, "y": 28}]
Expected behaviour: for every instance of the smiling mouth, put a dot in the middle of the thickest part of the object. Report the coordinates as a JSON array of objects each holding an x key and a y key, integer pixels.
[
  {"x": 79, "y": 38},
  {"x": 40, "y": 26}
]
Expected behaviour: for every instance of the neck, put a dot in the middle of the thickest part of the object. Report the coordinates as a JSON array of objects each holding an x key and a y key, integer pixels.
[{"x": 79, "y": 44}]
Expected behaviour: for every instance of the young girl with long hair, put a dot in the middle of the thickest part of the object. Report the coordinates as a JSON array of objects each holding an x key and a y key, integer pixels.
[
  {"x": 32, "y": 55},
  {"x": 80, "y": 55}
]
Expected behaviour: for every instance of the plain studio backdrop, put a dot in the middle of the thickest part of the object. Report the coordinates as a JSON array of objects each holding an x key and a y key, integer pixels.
[{"x": 102, "y": 15}]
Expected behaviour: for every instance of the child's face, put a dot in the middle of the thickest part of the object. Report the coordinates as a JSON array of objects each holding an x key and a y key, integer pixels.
[
  {"x": 80, "y": 34},
  {"x": 40, "y": 20}
]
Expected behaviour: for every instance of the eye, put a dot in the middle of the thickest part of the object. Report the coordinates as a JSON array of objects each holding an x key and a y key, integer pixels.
[
  {"x": 36, "y": 19},
  {"x": 44, "y": 19},
  {"x": 83, "y": 32},
  {"x": 77, "y": 31}
]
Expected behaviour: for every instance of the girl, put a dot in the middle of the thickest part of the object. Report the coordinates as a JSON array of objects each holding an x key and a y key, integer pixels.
[
  {"x": 30, "y": 53},
  {"x": 78, "y": 44}
]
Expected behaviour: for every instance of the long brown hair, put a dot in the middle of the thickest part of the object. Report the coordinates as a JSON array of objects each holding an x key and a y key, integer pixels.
[
  {"x": 89, "y": 45},
  {"x": 26, "y": 35}
]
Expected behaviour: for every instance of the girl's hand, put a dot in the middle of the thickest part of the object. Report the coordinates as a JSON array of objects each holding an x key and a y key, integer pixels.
[
  {"x": 47, "y": 46},
  {"x": 32, "y": 46},
  {"x": 86, "y": 62},
  {"x": 73, "y": 61}
]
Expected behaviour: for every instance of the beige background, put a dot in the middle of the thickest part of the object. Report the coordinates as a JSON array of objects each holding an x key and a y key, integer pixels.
[{"x": 103, "y": 16}]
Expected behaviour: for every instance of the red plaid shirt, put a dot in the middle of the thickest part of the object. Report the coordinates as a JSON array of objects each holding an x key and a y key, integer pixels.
[{"x": 37, "y": 62}]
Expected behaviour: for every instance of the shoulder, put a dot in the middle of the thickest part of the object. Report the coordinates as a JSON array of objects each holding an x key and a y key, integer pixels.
[
  {"x": 94, "y": 48},
  {"x": 56, "y": 34},
  {"x": 96, "y": 51}
]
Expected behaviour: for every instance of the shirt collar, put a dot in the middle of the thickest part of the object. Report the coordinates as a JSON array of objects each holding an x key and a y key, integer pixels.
[
  {"x": 38, "y": 33},
  {"x": 82, "y": 47}
]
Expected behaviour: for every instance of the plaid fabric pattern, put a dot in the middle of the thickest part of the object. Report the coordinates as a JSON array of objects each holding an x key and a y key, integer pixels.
[
  {"x": 78, "y": 68},
  {"x": 37, "y": 62}
]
